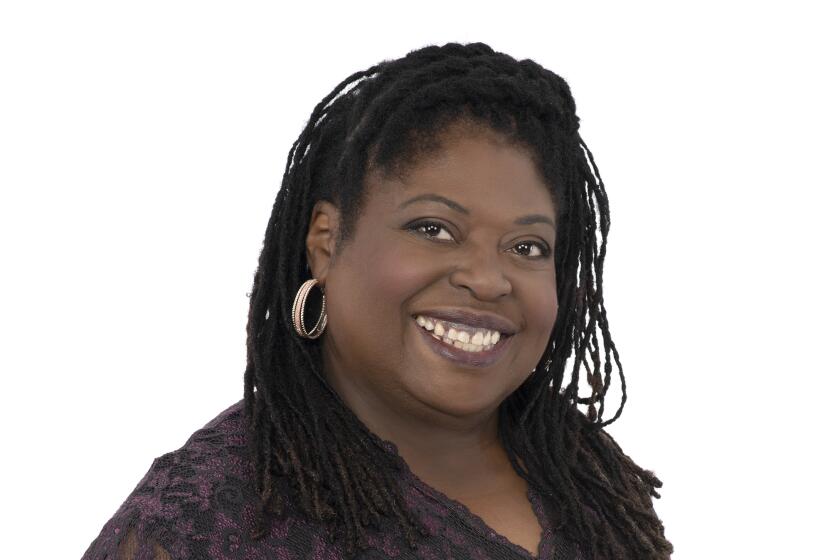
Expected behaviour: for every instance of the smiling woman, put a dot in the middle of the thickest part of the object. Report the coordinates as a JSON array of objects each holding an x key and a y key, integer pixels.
[
  {"x": 425, "y": 404},
  {"x": 443, "y": 243}
]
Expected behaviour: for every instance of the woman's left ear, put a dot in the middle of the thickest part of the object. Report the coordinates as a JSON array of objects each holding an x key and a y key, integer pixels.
[{"x": 321, "y": 240}]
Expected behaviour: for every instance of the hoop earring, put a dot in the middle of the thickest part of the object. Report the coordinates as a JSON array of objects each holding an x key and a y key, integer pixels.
[{"x": 300, "y": 305}]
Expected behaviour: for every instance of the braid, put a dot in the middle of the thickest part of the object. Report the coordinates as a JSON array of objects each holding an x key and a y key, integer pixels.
[{"x": 305, "y": 441}]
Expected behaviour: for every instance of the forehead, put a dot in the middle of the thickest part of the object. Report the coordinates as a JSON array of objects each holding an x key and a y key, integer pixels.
[{"x": 477, "y": 168}]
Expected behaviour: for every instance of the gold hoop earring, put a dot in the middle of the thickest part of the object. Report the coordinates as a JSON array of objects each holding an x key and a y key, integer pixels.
[{"x": 300, "y": 305}]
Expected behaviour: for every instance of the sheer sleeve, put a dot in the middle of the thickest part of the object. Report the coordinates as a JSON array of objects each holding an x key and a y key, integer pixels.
[
  {"x": 141, "y": 527},
  {"x": 168, "y": 516},
  {"x": 131, "y": 549},
  {"x": 190, "y": 505},
  {"x": 132, "y": 535},
  {"x": 128, "y": 537}
]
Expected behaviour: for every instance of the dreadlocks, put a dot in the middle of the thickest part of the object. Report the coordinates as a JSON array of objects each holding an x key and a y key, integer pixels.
[{"x": 305, "y": 440}]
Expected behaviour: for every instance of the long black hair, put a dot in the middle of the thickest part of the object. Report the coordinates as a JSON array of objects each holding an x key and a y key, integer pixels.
[{"x": 305, "y": 440}]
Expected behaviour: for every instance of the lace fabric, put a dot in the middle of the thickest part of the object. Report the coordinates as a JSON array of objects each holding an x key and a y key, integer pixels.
[
  {"x": 196, "y": 503},
  {"x": 129, "y": 548}
]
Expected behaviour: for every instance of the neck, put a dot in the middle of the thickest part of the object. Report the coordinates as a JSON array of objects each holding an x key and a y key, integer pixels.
[{"x": 454, "y": 454}]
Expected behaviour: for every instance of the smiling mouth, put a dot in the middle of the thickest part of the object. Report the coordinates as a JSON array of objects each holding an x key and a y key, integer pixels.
[{"x": 462, "y": 344}]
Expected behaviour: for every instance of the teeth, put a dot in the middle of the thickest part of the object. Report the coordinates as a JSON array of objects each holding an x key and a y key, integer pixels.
[{"x": 472, "y": 340}]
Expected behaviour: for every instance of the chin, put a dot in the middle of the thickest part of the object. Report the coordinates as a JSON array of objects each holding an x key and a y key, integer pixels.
[{"x": 462, "y": 402}]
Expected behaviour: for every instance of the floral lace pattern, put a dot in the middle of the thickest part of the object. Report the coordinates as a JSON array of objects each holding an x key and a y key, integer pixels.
[{"x": 195, "y": 503}]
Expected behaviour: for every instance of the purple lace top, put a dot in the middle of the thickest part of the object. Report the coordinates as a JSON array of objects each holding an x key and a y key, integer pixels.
[{"x": 195, "y": 503}]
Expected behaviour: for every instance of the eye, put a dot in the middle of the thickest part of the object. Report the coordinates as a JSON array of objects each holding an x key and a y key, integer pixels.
[
  {"x": 432, "y": 230},
  {"x": 532, "y": 249}
]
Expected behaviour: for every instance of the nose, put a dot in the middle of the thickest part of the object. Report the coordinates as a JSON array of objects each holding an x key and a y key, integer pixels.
[{"x": 481, "y": 272}]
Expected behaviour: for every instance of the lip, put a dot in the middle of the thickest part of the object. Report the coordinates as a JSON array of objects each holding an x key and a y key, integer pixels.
[
  {"x": 472, "y": 319},
  {"x": 462, "y": 357}
]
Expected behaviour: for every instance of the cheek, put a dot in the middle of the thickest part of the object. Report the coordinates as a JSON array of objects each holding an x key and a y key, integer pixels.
[
  {"x": 388, "y": 277},
  {"x": 541, "y": 303}
]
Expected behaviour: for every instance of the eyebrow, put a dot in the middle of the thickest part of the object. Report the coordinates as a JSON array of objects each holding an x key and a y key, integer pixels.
[
  {"x": 435, "y": 198},
  {"x": 522, "y": 221},
  {"x": 534, "y": 219}
]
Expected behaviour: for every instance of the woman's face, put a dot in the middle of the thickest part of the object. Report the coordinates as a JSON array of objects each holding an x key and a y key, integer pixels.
[{"x": 460, "y": 247}]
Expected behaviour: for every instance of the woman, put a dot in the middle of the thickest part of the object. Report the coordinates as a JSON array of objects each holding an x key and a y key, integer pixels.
[{"x": 426, "y": 309}]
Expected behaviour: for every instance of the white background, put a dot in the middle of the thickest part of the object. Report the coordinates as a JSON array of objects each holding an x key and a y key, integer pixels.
[{"x": 142, "y": 144}]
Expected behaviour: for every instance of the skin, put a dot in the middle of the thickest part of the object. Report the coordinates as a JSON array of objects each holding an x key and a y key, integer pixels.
[{"x": 442, "y": 415}]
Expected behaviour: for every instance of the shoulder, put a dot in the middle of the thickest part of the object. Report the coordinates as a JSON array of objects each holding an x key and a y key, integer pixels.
[
  {"x": 214, "y": 450},
  {"x": 189, "y": 499}
]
